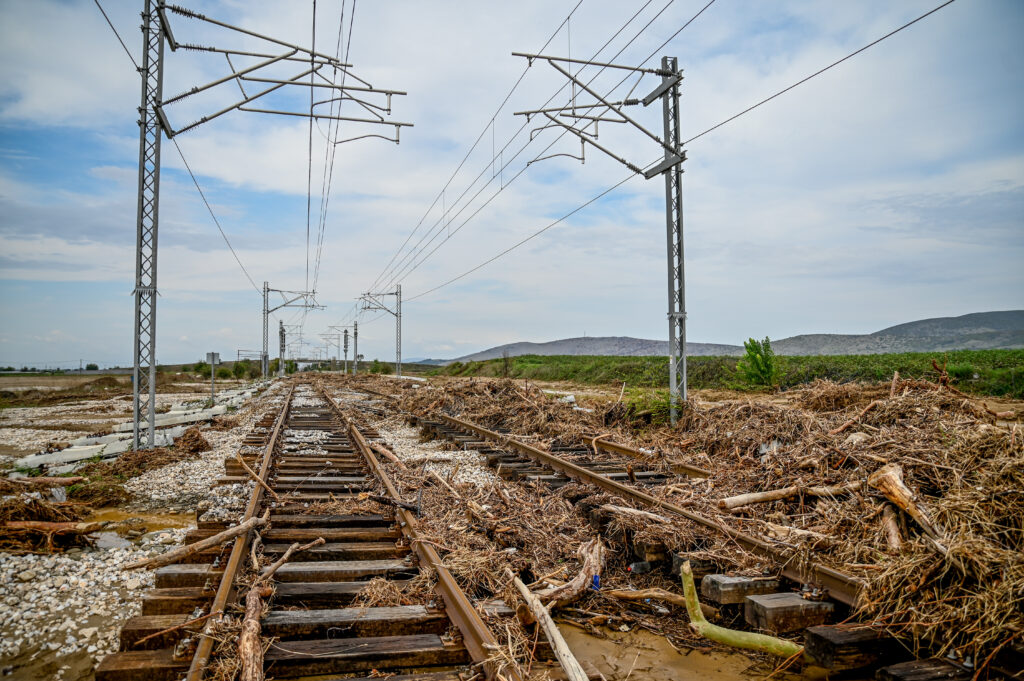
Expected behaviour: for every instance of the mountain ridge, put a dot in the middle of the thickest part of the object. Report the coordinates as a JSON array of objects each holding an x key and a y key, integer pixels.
[{"x": 998, "y": 330}]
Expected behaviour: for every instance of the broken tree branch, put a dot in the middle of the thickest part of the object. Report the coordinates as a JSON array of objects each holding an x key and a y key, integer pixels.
[
  {"x": 294, "y": 548},
  {"x": 738, "y": 639},
  {"x": 892, "y": 529},
  {"x": 708, "y": 611},
  {"x": 54, "y": 526},
  {"x": 592, "y": 560},
  {"x": 48, "y": 482},
  {"x": 258, "y": 479},
  {"x": 175, "y": 555},
  {"x": 776, "y": 494},
  {"x": 250, "y": 648},
  {"x": 388, "y": 501},
  {"x": 625, "y": 510},
  {"x": 573, "y": 670},
  {"x": 836, "y": 431},
  {"x": 387, "y": 454},
  {"x": 889, "y": 480}
]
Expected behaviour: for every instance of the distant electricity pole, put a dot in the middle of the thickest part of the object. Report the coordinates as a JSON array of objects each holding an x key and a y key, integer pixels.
[
  {"x": 670, "y": 167},
  {"x": 282, "y": 338},
  {"x": 346, "y": 351},
  {"x": 344, "y": 331},
  {"x": 334, "y": 338},
  {"x": 153, "y": 124},
  {"x": 375, "y": 301},
  {"x": 303, "y": 299}
]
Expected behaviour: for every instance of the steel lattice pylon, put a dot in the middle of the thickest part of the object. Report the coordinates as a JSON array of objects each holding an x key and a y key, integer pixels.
[
  {"x": 144, "y": 376},
  {"x": 674, "y": 240},
  {"x": 153, "y": 123}
]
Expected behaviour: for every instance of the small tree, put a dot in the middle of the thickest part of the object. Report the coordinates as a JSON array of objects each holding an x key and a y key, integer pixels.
[
  {"x": 92, "y": 367},
  {"x": 291, "y": 366},
  {"x": 758, "y": 365},
  {"x": 240, "y": 369},
  {"x": 506, "y": 363},
  {"x": 203, "y": 369},
  {"x": 223, "y": 372}
]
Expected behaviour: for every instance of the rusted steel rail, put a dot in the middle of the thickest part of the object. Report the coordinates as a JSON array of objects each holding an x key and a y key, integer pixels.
[
  {"x": 842, "y": 587},
  {"x": 477, "y": 637},
  {"x": 204, "y": 648}
]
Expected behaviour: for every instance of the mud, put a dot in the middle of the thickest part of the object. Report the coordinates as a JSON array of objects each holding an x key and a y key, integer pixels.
[{"x": 642, "y": 656}]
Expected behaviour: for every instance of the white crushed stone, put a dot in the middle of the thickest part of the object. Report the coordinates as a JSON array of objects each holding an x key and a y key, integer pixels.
[
  {"x": 67, "y": 603},
  {"x": 34, "y": 439},
  {"x": 186, "y": 483}
]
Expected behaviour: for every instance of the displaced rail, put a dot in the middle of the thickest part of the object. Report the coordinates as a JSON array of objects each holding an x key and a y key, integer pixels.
[
  {"x": 840, "y": 586},
  {"x": 309, "y": 457}
]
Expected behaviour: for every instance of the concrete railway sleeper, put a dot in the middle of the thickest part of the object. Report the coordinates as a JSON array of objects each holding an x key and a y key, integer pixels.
[{"x": 310, "y": 453}]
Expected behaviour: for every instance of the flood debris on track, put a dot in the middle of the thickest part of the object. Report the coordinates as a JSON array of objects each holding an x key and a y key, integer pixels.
[
  {"x": 326, "y": 572},
  {"x": 810, "y": 476}
]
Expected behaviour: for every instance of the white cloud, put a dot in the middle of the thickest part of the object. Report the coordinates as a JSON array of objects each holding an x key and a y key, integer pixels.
[{"x": 887, "y": 189}]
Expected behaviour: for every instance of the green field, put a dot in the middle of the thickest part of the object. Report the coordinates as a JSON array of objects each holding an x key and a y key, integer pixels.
[{"x": 985, "y": 372}]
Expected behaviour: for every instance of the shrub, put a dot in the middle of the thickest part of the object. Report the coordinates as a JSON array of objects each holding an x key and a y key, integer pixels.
[
  {"x": 224, "y": 372},
  {"x": 92, "y": 367},
  {"x": 202, "y": 368},
  {"x": 758, "y": 365},
  {"x": 240, "y": 369}
]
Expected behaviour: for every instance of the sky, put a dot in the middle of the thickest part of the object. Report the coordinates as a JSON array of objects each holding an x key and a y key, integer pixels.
[{"x": 888, "y": 189}]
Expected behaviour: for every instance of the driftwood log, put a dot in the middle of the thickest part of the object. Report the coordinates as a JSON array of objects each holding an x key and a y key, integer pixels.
[
  {"x": 387, "y": 454},
  {"x": 592, "y": 561},
  {"x": 625, "y": 510},
  {"x": 892, "y": 529},
  {"x": 48, "y": 482},
  {"x": 785, "y": 492},
  {"x": 738, "y": 639},
  {"x": 182, "y": 552},
  {"x": 708, "y": 611},
  {"x": 573, "y": 669},
  {"x": 53, "y": 526},
  {"x": 889, "y": 480},
  {"x": 250, "y": 648}
]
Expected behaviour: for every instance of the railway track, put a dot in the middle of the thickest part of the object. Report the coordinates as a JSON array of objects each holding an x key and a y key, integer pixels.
[
  {"x": 618, "y": 470},
  {"x": 309, "y": 453}
]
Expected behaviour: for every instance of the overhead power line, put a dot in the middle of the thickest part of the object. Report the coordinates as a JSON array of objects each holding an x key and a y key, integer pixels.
[
  {"x": 408, "y": 263},
  {"x": 118, "y": 35},
  {"x": 714, "y": 127},
  {"x": 819, "y": 72},
  {"x": 490, "y": 124}
]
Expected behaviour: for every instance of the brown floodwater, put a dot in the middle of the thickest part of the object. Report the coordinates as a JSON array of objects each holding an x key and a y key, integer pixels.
[
  {"x": 639, "y": 655},
  {"x": 147, "y": 522}
]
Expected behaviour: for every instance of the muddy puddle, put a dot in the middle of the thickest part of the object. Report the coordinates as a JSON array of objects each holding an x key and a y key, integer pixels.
[
  {"x": 641, "y": 656},
  {"x": 140, "y": 522}
]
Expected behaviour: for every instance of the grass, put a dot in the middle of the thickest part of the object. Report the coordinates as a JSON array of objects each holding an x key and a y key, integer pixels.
[{"x": 984, "y": 372}]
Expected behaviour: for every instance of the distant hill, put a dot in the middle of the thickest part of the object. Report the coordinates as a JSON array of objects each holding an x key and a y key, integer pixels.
[{"x": 976, "y": 331}]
